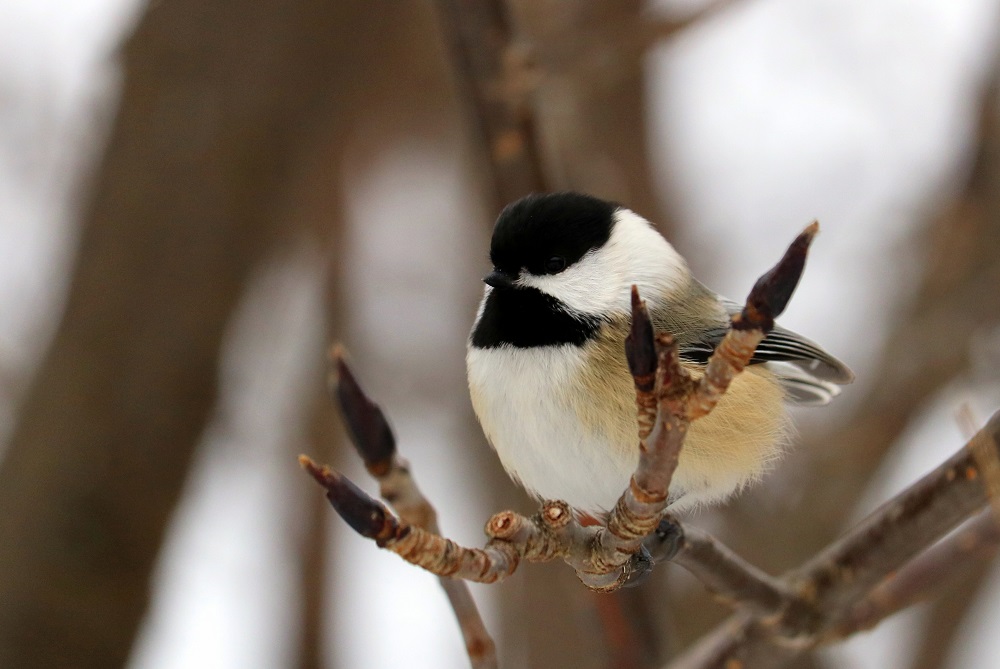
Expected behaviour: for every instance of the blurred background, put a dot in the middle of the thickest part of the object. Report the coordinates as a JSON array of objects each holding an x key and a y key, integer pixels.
[{"x": 196, "y": 197}]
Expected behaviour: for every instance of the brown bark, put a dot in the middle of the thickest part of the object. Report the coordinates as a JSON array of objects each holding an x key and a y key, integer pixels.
[{"x": 952, "y": 570}]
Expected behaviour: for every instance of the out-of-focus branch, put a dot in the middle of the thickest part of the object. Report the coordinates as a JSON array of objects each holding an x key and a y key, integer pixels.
[
  {"x": 589, "y": 91},
  {"x": 925, "y": 576},
  {"x": 900, "y": 529},
  {"x": 497, "y": 77},
  {"x": 375, "y": 443},
  {"x": 726, "y": 574},
  {"x": 835, "y": 581},
  {"x": 962, "y": 582},
  {"x": 594, "y": 132},
  {"x": 966, "y": 552}
]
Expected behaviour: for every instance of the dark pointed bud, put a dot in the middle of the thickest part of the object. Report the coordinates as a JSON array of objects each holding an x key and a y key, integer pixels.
[
  {"x": 640, "y": 348},
  {"x": 367, "y": 425},
  {"x": 769, "y": 296},
  {"x": 365, "y": 515}
]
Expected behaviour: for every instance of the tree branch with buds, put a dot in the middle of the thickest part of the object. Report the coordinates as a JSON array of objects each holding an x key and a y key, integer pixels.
[
  {"x": 857, "y": 580},
  {"x": 375, "y": 443},
  {"x": 668, "y": 399}
]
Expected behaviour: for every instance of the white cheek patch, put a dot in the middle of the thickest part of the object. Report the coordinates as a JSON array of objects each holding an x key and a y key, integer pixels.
[
  {"x": 589, "y": 286},
  {"x": 600, "y": 282}
]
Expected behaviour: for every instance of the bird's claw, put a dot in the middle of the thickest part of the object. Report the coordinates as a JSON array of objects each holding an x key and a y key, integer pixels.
[
  {"x": 662, "y": 545},
  {"x": 640, "y": 566}
]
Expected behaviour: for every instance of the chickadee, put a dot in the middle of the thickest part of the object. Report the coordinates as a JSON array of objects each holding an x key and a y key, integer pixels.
[{"x": 546, "y": 358}]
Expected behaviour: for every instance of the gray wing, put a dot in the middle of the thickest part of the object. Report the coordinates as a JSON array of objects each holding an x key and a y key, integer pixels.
[{"x": 808, "y": 374}]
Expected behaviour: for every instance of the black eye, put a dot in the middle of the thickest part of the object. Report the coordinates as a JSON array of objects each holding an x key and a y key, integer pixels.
[{"x": 555, "y": 264}]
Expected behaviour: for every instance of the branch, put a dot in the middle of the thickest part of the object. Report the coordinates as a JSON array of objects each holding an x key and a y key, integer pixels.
[
  {"x": 928, "y": 574},
  {"x": 841, "y": 576},
  {"x": 603, "y": 556},
  {"x": 733, "y": 580},
  {"x": 954, "y": 601},
  {"x": 900, "y": 529},
  {"x": 373, "y": 438}
]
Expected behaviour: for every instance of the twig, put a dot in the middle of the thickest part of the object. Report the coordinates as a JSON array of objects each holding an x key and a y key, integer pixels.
[
  {"x": 900, "y": 529},
  {"x": 926, "y": 575},
  {"x": 726, "y": 574},
  {"x": 677, "y": 400},
  {"x": 668, "y": 400},
  {"x": 987, "y": 461},
  {"x": 373, "y": 438},
  {"x": 976, "y": 542},
  {"x": 835, "y": 580},
  {"x": 952, "y": 605}
]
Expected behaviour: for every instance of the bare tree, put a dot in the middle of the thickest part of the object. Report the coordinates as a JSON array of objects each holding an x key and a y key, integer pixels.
[{"x": 230, "y": 141}]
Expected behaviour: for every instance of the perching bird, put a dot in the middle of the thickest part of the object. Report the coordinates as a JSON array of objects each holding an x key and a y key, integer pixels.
[{"x": 546, "y": 359}]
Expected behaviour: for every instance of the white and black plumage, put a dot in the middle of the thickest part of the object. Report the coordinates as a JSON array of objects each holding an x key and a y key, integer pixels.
[{"x": 546, "y": 364}]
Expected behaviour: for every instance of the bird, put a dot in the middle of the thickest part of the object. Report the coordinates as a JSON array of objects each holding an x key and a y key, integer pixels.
[{"x": 547, "y": 372}]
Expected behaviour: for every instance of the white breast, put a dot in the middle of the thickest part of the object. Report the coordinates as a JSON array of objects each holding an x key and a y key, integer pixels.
[
  {"x": 569, "y": 433},
  {"x": 527, "y": 402}
]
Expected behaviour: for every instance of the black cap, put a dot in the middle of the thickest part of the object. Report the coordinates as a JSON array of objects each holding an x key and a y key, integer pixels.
[{"x": 538, "y": 228}]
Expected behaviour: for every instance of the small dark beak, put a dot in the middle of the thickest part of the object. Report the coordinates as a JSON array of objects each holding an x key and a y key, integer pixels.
[{"x": 499, "y": 279}]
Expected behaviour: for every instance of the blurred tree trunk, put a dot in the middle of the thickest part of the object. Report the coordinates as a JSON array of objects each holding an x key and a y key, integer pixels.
[
  {"x": 591, "y": 98},
  {"x": 220, "y": 99}
]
